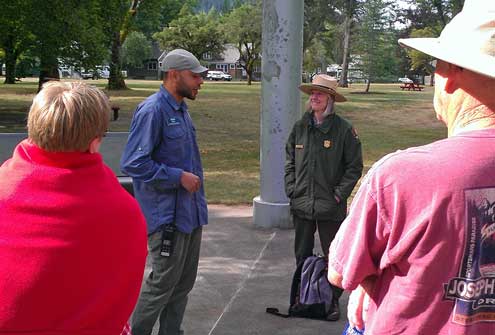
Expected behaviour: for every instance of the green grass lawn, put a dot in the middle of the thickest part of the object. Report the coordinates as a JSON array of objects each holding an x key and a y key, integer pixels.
[{"x": 226, "y": 116}]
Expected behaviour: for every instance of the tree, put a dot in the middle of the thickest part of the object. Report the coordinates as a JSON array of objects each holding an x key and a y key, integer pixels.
[
  {"x": 2, "y": 60},
  {"x": 349, "y": 10},
  {"x": 323, "y": 49},
  {"x": 317, "y": 15},
  {"x": 15, "y": 37},
  {"x": 321, "y": 40},
  {"x": 136, "y": 49},
  {"x": 52, "y": 31},
  {"x": 425, "y": 18},
  {"x": 375, "y": 45},
  {"x": 420, "y": 61},
  {"x": 243, "y": 27},
  {"x": 120, "y": 14},
  {"x": 68, "y": 31},
  {"x": 197, "y": 33},
  {"x": 130, "y": 15},
  {"x": 154, "y": 15},
  {"x": 431, "y": 13}
]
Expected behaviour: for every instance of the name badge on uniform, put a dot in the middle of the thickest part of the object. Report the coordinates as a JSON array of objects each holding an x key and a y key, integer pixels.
[
  {"x": 327, "y": 143},
  {"x": 173, "y": 121},
  {"x": 299, "y": 146}
]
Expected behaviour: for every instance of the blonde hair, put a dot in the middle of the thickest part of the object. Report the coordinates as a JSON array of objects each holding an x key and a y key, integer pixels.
[{"x": 67, "y": 116}]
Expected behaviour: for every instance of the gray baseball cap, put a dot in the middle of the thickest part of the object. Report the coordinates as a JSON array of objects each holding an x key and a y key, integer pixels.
[{"x": 180, "y": 59}]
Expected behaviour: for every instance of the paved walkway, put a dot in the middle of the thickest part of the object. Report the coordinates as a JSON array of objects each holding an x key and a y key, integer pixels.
[{"x": 243, "y": 270}]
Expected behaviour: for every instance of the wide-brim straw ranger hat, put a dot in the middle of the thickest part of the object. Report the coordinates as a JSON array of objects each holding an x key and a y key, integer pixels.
[{"x": 323, "y": 83}]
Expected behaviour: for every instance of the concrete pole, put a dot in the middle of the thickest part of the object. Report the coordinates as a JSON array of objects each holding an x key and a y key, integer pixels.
[{"x": 281, "y": 69}]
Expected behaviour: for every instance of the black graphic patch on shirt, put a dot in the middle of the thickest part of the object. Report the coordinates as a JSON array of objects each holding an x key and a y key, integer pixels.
[{"x": 473, "y": 290}]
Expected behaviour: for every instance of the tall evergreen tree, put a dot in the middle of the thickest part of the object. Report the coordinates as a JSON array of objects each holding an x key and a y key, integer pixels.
[{"x": 375, "y": 44}]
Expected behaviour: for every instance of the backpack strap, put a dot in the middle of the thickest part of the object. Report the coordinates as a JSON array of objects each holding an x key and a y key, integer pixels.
[
  {"x": 294, "y": 292},
  {"x": 275, "y": 311}
]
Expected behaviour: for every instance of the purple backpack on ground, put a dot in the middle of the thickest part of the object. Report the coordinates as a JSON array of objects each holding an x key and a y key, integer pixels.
[{"x": 311, "y": 293}]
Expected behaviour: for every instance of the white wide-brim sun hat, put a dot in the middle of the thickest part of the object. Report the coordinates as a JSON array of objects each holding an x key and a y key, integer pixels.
[{"x": 467, "y": 41}]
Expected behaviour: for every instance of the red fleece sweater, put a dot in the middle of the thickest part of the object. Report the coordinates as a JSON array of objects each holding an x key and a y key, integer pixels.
[{"x": 72, "y": 245}]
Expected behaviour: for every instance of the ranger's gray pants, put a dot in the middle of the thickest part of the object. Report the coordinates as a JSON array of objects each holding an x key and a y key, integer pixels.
[{"x": 164, "y": 293}]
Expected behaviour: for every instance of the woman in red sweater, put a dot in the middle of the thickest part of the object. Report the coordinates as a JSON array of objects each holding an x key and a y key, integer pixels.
[{"x": 72, "y": 240}]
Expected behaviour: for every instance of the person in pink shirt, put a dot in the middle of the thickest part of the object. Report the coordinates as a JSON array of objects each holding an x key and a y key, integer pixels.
[
  {"x": 72, "y": 240},
  {"x": 418, "y": 246}
]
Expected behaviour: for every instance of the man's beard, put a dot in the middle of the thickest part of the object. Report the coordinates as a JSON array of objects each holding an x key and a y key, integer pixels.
[{"x": 185, "y": 91}]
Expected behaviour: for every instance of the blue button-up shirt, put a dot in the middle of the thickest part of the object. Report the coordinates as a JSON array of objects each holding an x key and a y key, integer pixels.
[{"x": 161, "y": 145}]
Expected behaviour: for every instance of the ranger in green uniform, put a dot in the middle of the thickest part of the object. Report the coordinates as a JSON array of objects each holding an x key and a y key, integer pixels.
[{"x": 323, "y": 164}]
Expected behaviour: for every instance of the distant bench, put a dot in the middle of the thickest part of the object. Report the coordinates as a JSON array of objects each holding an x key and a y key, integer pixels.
[
  {"x": 111, "y": 150},
  {"x": 411, "y": 86}
]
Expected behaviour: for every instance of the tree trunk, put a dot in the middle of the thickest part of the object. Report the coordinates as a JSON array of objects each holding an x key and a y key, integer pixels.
[
  {"x": 439, "y": 6},
  {"x": 10, "y": 60},
  {"x": 48, "y": 70},
  {"x": 116, "y": 81},
  {"x": 249, "y": 74},
  {"x": 347, "y": 41},
  {"x": 368, "y": 83}
]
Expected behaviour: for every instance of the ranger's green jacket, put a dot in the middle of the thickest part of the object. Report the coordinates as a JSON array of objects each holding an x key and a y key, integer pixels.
[{"x": 322, "y": 162}]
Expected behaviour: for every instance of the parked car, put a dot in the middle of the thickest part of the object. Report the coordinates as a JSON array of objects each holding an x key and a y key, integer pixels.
[
  {"x": 103, "y": 72},
  {"x": 100, "y": 72},
  {"x": 405, "y": 80},
  {"x": 218, "y": 75},
  {"x": 88, "y": 74}
]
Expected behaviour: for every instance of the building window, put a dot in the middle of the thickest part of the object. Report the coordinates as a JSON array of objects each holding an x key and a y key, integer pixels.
[
  {"x": 222, "y": 67},
  {"x": 152, "y": 66},
  {"x": 232, "y": 66},
  {"x": 207, "y": 56}
]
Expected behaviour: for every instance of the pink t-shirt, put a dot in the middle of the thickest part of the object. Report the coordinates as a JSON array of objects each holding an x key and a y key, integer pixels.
[{"x": 423, "y": 222}]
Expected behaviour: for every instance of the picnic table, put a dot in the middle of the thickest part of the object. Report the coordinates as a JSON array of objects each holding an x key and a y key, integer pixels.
[{"x": 411, "y": 86}]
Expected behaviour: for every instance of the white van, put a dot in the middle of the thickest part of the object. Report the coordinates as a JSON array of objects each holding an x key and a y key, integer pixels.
[{"x": 218, "y": 75}]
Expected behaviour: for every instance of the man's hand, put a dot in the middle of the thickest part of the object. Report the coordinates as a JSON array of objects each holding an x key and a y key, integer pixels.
[
  {"x": 334, "y": 277},
  {"x": 359, "y": 301},
  {"x": 190, "y": 182},
  {"x": 356, "y": 309}
]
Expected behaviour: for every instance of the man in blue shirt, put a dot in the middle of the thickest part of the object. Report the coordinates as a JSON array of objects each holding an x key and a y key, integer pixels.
[{"x": 162, "y": 157}]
